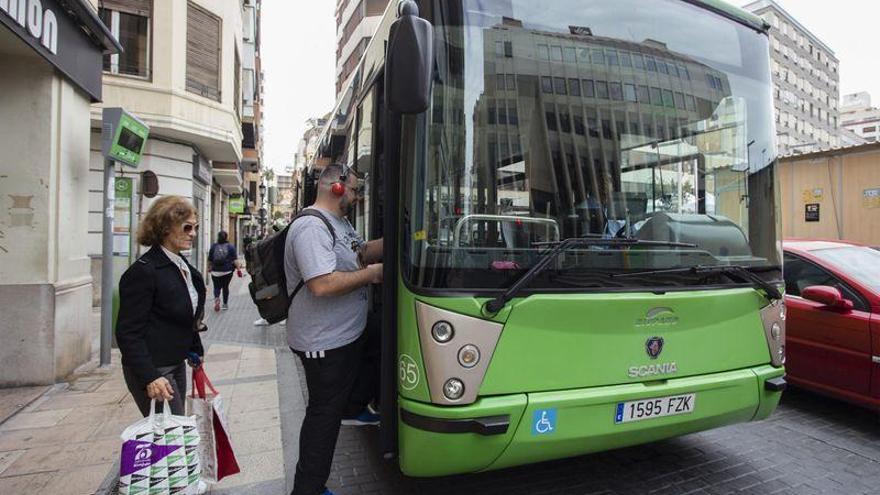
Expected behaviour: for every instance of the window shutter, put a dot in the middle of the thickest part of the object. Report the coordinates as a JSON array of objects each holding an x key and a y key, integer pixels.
[
  {"x": 136, "y": 7},
  {"x": 202, "y": 52}
]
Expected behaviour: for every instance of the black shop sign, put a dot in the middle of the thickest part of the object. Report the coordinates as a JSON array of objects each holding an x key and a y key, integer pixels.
[
  {"x": 57, "y": 35},
  {"x": 811, "y": 212}
]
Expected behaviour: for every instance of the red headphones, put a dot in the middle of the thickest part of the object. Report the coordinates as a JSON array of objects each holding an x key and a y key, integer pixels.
[{"x": 338, "y": 188}]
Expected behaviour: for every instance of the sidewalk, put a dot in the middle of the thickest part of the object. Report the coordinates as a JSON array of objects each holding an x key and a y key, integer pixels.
[{"x": 67, "y": 440}]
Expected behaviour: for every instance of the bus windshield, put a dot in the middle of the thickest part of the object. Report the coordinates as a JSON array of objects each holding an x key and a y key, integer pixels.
[{"x": 586, "y": 118}]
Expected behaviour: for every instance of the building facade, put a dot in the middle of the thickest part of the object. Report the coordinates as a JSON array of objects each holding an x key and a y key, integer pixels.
[
  {"x": 252, "y": 120},
  {"x": 806, "y": 79},
  {"x": 858, "y": 116},
  {"x": 832, "y": 194},
  {"x": 356, "y": 21},
  {"x": 180, "y": 73},
  {"x": 50, "y": 74},
  {"x": 305, "y": 153}
]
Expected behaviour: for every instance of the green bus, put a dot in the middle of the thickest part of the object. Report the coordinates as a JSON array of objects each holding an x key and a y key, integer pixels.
[{"x": 581, "y": 222}]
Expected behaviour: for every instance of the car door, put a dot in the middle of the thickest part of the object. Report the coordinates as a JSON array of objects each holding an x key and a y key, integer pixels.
[{"x": 827, "y": 349}]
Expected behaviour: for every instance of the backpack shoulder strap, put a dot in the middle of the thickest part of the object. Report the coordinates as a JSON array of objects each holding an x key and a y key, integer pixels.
[{"x": 311, "y": 212}]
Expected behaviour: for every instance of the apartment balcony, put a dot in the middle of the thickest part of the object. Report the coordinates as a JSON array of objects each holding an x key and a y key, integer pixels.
[{"x": 229, "y": 176}]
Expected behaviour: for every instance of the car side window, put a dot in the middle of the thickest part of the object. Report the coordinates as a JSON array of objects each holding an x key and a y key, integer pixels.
[{"x": 800, "y": 274}]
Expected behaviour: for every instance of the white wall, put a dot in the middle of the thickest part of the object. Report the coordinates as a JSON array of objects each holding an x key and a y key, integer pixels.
[{"x": 44, "y": 132}]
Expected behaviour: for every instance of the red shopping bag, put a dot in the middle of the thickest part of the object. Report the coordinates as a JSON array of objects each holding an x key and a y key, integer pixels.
[{"x": 215, "y": 445}]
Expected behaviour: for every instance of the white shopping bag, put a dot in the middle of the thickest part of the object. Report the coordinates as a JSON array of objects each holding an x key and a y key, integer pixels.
[
  {"x": 215, "y": 450},
  {"x": 160, "y": 455}
]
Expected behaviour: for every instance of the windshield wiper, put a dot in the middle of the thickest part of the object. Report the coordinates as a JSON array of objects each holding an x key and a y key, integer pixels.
[
  {"x": 493, "y": 306},
  {"x": 739, "y": 271}
]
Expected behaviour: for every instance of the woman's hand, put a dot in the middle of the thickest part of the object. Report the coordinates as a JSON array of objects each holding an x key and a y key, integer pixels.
[{"x": 160, "y": 388}]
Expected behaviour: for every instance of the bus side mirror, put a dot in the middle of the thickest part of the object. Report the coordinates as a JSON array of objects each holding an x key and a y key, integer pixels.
[{"x": 409, "y": 65}]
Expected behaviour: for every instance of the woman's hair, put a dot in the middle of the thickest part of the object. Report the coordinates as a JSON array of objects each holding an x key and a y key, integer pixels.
[
  {"x": 222, "y": 237},
  {"x": 163, "y": 215}
]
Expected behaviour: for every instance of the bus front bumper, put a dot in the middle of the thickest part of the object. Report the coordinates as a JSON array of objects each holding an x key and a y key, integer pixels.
[{"x": 503, "y": 431}]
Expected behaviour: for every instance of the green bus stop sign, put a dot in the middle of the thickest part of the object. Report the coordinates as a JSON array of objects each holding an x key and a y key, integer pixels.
[{"x": 123, "y": 136}]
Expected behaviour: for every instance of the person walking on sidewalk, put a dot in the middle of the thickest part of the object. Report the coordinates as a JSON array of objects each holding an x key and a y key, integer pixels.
[
  {"x": 328, "y": 273},
  {"x": 222, "y": 263},
  {"x": 161, "y": 304}
]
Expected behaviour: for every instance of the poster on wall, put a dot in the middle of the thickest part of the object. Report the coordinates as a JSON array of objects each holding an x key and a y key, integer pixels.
[
  {"x": 122, "y": 216},
  {"x": 811, "y": 212},
  {"x": 871, "y": 198}
]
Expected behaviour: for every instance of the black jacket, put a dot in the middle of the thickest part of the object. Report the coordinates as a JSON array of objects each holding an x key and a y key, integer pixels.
[{"x": 155, "y": 326}]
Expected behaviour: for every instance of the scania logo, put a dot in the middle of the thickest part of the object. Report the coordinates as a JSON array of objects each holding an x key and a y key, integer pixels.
[
  {"x": 657, "y": 317},
  {"x": 654, "y": 346}
]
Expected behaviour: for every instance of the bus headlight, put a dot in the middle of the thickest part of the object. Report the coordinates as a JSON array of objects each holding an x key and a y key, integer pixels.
[
  {"x": 442, "y": 332},
  {"x": 469, "y": 356},
  {"x": 453, "y": 389},
  {"x": 455, "y": 345}
]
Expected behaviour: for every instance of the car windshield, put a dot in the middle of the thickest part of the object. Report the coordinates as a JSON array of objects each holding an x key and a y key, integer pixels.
[
  {"x": 579, "y": 118},
  {"x": 860, "y": 263}
]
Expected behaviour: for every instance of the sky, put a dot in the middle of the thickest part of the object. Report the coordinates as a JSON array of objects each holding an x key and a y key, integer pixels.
[
  {"x": 299, "y": 60},
  {"x": 299, "y": 46}
]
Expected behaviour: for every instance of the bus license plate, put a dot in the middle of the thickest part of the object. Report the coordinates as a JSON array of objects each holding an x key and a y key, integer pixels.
[{"x": 638, "y": 410}]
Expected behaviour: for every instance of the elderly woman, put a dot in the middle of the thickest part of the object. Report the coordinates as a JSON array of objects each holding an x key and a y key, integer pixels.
[{"x": 161, "y": 304}]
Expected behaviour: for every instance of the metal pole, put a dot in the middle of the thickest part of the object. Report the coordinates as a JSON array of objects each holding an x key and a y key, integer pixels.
[{"x": 107, "y": 261}]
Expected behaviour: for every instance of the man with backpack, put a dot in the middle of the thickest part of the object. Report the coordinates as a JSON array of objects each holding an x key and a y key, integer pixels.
[
  {"x": 222, "y": 262},
  {"x": 328, "y": 270}
]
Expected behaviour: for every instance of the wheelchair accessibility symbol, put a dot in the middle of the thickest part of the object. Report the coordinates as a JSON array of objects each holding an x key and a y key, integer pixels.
[{"x": 544, "y": 421}]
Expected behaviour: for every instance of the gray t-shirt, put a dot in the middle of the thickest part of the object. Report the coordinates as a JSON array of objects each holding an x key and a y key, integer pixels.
[{"x": 322, "y": 323}]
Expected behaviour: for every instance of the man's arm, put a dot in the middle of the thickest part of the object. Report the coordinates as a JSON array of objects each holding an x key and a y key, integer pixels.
[
  {"x": 371, "y": 252},
  {"x": 341, "y": 283}
]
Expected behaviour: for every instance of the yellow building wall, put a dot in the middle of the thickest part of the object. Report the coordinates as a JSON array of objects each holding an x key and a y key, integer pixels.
[{"x": 845, "y": 186}]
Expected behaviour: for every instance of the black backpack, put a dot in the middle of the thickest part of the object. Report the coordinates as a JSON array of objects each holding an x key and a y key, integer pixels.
[{"x": 265, "y": 264}]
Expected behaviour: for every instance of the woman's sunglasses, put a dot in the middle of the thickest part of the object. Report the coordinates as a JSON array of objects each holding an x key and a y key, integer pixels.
[{"x": 189, "y": 228}]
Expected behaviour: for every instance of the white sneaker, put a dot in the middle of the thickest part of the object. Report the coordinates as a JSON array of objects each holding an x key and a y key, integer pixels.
[
  {"x": 201, "y": 488},
  {"x": 261, "y": 323}
]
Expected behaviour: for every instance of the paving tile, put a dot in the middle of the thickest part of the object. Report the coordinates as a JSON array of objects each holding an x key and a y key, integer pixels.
[
  {"x": 13, "y": 400},
  {"x": 37, "y": 419},
  {"x": 31, "y": 483},
  {"x": 78, "y": 481},
  {"x": 254, "y": 420},
  {"x": 65, "y": 455},
  {"x": 27, "y": 438},
  {"x": 7, "y": 458},
  {"x": 255, "y": 441},
  {"x": 265, "y": 466}
]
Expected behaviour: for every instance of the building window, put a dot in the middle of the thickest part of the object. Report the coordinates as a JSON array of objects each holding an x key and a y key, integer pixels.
[
  {"x": 589, "y": 88},
  {"x": 129, "y": 21},
  {"x": 249, "y": 23},
  {"x": 574, "y": 86},
  {"x": 870, "y": 129},
  {"x": 203, "y": 52},
  {"x": 629, "y": 92},
  {"x": 602, "y": 89},
  {"x": 559, "y": 85}
]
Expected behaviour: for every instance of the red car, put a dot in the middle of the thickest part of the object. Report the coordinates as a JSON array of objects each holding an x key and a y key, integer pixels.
[{"x": 832, "y": 297}]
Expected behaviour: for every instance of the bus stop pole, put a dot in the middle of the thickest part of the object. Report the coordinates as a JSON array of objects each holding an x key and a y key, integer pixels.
[{"x": 107, "y": 261}]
